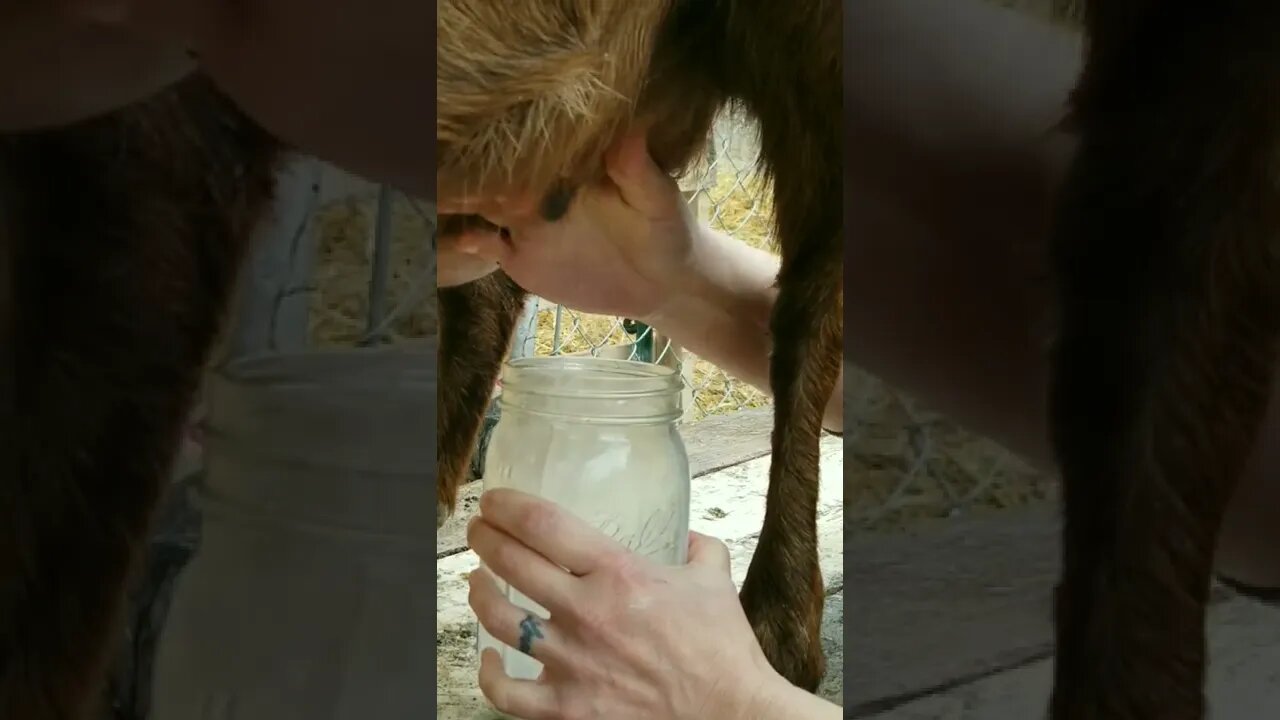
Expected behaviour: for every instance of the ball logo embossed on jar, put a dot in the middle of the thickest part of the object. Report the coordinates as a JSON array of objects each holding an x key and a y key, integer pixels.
[
  {"x": 599, "y": 438},
  {"x": 654, "y": 536}
]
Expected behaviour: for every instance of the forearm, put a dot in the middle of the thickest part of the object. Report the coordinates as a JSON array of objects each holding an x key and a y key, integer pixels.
[{"x": 723, "y": 314}]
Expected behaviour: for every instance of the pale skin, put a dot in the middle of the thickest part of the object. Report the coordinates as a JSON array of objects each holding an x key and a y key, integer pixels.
[{"x": 628, "y": 639}]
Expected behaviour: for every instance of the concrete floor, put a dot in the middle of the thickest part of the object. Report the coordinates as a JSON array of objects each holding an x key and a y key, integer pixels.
[
  {"x": 954, "y": 623},
  {"x": 1244, "y": 681},
  {"x": 727, "y": 503}
]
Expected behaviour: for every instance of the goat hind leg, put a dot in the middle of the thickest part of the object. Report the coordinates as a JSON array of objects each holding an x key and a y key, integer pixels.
[
  {"x": 784, "y": 594},
  {"x": 1166, "y": 253},
  {"x": 118, "y": 290},
  {"x": 476, "y": 324}
]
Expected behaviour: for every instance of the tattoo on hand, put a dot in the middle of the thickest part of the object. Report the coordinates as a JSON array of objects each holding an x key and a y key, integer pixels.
[{"x": 529, "y": 629}]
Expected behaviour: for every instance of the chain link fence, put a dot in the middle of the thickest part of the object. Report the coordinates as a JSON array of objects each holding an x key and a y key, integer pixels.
[{"x": 905, "y": 463}]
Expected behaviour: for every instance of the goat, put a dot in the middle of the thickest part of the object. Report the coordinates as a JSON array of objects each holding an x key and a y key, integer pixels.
[
  {"x": 1164, "y": 249},
  {"x": 533, "y": 92},
  {"x": 121, "y": 238}
]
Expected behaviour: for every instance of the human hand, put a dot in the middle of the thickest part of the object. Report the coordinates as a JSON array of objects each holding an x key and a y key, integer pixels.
[
  {"x": 458, "y": 262},
  {"x": 627, "y": 638},
  {"x": 622, "y": 244}
]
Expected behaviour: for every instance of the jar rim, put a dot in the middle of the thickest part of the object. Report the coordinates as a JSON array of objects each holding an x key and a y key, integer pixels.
[
  {"x": 587, "y": 376},
  {"x": 414, "y": 363}
]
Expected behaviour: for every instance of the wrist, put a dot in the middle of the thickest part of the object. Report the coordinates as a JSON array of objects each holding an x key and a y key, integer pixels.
[
  {"x": 776, "y": 699},
  {"x": 682, "y": 285},
  {"x": 719, "y": 277},
  {"x": 753, "y": 695},
  {"x": 768, "y": 698},
  {"x": 683, "y": 299}
]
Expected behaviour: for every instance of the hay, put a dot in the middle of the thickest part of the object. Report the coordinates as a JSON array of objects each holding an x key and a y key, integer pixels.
[
  {"x": 340, "y": 301},
  {"x": 906, "y": 464},
  {"x": 963, "y": 473}
]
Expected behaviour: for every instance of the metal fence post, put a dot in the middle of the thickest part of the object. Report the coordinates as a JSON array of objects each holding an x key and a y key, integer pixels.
[
  {"x": 381, "y": 272},
  {"x": 524, "y": 343},
  {"x": 271, "y": 312}
]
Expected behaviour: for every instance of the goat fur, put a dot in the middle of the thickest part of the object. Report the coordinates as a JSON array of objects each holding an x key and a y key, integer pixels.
[
  {"x": 122, "y": 237},
  {"x": 531, "y": 94}
]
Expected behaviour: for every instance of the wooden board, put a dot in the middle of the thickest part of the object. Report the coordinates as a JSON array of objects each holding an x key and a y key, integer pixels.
[
  {"x": 956, "y": 599},
  {"x": 1244, "y": 648},
  {"x": 948, "y": 604}
]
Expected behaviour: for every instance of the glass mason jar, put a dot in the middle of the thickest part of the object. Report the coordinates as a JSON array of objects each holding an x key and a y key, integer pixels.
[
  {"x": 305, "y": 598},
  {"x": 597, "y": 437}
]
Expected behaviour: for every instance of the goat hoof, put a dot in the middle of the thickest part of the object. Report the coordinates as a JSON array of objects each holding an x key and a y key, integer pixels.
[{"x": 789, "y": 632}]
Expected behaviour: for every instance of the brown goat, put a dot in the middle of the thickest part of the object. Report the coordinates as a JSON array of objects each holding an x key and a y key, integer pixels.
[
  {"x": 532, "y": 93},
  {"x": 120, "y": 239},
  {"x": 1165, "y": 250}
]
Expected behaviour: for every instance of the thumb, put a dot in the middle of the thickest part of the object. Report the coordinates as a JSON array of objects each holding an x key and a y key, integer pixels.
[
  {"x": 641, "y": 183},
  {"x": 707, "y": 551},
  {"x": 487, "y": 244}
]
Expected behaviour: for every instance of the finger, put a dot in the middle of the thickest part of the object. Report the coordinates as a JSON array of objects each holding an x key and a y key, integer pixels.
[
  {"x": 462, "y": 269},
  {"x": 465, "y": 241},
  {"x": 456, "y": 196},
  {"x": 462, "y": 204},
  {"x": 540, "y": 579},
  {"x": 490, "y": 245},
  {"x": 497, "y": 208},
  {"x": 707, "y": 551},
  {"x": 527, "y": 699},
  {"x": 516, "y": 208},
  {"x": 641, "y": 183},
  {"x": 549, "y": 530},
  {"x": 513, "y": 625},
  {"x": 472, "y": 203}
]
